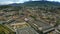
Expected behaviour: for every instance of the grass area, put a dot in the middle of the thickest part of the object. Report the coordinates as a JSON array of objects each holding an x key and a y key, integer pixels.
[{"x": 5, "y": 30}]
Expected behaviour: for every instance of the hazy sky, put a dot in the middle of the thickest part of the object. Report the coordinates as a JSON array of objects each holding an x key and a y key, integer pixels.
[{"x": 18, "y": 1}]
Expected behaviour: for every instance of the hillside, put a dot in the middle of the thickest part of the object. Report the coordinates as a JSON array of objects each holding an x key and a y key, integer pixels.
[
  {"x": 41, "y": 3},
  {"x": 5, "y": 30}
]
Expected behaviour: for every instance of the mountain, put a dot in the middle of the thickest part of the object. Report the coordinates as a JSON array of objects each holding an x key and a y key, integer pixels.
[
  {"x": 36, "y": 3},
  {"x": 41, "y": 3},
  {"x": 15, "y": 4}
]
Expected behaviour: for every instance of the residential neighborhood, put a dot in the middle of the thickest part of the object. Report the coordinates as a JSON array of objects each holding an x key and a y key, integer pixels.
[{"x": 32, "y": 17}]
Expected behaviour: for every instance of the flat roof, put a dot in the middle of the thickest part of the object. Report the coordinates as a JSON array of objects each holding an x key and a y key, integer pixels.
[{"x": 27, "y": 30}]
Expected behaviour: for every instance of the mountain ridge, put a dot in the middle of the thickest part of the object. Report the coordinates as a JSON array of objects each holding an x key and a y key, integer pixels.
[{"x": 35, "y": 2}]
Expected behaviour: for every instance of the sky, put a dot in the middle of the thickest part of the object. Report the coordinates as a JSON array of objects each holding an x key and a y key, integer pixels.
[{"x": 18, "y": 1}]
